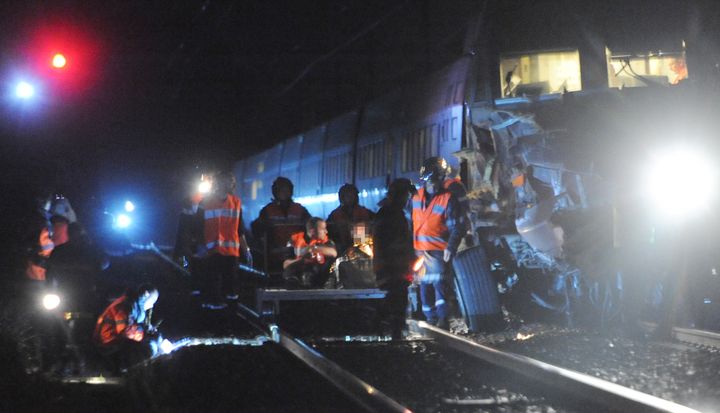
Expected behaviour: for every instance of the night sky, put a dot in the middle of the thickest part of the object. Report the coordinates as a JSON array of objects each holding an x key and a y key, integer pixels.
[{"x": 157, "y": 90}]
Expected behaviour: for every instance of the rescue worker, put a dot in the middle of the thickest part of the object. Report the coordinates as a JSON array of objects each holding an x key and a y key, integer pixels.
[
  {"x": 124, "y": 330},
  {"x": 439, "y": 224},
  {"x": 314, "y": 255},
  {"x": 73, "y": 272},
  {"x": 277, "y": 221},
  {"x": 50, "y": 230},
  {"x": 393, "y": 253},
  {"x": 224, "y": 238},
  {"x": 344, "y": 220},
  {"x": 61, "y": 215},
  {"x": 73, "y": 269}
]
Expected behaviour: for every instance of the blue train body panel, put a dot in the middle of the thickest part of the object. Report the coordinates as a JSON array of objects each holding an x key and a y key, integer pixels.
[{"x": 384, "y": 140}]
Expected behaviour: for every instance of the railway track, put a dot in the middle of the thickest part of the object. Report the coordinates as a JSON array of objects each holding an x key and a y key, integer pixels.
[
  {"x": 438, "y": 371},
  {"x": 689, "y": 335},
  {"x": 383, "y": 376}
]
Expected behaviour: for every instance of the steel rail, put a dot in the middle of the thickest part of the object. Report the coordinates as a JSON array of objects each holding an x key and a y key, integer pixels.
[
  {"x": 701, "y": 337},
  {"x": 604, "y": 392},
  {"x": 689, "y": 335},
  {"x": 367, "y": 396}
]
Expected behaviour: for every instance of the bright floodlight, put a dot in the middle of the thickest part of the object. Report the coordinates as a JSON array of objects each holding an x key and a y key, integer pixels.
[
  {"x": 24, "y": 90},
  {"x": 59, "y": 61},
  {"x": 166, "y": 346},
  {"x": 129, "y": 206},
  {"x": 680, "y": 182},
  {"x": 204, "y": 187},
  {"x": 123, "y": 221},
  {"x": 51, "y": 301}
]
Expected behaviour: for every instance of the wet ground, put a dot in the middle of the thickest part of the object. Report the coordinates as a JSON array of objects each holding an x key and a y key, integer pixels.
[{"x": 682, "y": 373}]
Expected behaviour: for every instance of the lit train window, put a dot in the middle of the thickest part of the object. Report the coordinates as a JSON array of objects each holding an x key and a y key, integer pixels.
[
  {"x": 533, "y": 74},
  {"x": 634, "y": 70}
]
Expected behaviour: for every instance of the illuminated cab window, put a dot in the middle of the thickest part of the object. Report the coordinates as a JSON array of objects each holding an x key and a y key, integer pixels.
[
  {"x": 533, "y": 74},
  {"x": 638, "y": 70}
]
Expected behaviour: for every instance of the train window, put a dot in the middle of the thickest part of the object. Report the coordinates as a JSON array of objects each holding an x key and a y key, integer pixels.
[
  {"x": 533, "y": 74},
  {"x": 372, "y": 160},
  {"x": 416, "y": 147},
  {"x": 256, "y": 186},
  {"x": 633, "y": 70},
  {"x": 336, "y": 169},
  {"x": 458, "y": 93}
]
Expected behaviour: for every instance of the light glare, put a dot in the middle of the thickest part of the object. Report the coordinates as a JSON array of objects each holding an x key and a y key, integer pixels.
[
  {"x": 24, "y": 90},
  {"x": 166, "y": 346},
  {"x": 680, "y": 182},
  {"x": 129, "y": 206},
  {"x": 204, "y": 187},
  {"x": 59, "y": 61},
  {"x": 51, "y": 301},
  {"x": 123, "y": 221}
]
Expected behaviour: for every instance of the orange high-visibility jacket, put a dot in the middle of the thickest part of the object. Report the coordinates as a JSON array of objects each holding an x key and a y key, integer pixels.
[
  {"x": 430, "y": 232},
  {"x": 222, "y": 222},
  {"x": 298, "y": 240},
  {"x": 34, "y": 271},
  {"x": 60, "y": 233},
  {"x": 115, "y": 323}
]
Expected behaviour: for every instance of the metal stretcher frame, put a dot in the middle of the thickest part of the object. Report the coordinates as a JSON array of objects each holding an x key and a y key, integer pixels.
[{"x": 276, "y": 296}]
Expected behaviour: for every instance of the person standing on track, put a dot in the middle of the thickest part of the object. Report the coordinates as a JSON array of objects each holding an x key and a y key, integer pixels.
[
  {"x": 224, "y": 240},
  {"x": 393, "y": 253},
  {"x": 439, "y": 224}
]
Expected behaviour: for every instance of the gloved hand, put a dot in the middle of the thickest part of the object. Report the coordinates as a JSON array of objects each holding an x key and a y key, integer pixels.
[{"x": 447, "y": 255}]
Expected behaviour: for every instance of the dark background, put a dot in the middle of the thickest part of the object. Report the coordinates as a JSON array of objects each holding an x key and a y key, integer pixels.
[
  {"x": 157, "y": 92},
  {"x": 160, "y": 91}
]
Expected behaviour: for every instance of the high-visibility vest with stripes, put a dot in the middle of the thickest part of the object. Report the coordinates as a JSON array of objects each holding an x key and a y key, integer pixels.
[
  {"x": 222, "y": 220},
  {"x": 430, "y": 233},
  {"x": 297, "y": 240}
]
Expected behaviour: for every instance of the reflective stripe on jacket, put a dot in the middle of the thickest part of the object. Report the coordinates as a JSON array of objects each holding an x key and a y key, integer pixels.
[
  {"x": 115, "y": 323},
  {"x": 222, "y": 221},
  {"x": 298, "y": 240},
  {"x": 430, "y": 231}
]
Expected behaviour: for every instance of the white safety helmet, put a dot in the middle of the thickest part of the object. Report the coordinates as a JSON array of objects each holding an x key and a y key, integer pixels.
[{"x": 61, "y": 208}]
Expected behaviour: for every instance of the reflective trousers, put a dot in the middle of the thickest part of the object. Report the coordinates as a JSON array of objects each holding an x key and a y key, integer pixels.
[{"x": 434, "y": 287}]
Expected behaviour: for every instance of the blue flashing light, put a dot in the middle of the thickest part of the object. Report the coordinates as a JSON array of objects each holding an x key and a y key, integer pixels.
[
  {"x": 129, "y": 206},
  {"x": 24, "y": 90},
  {"x": 123, "y": 221}
]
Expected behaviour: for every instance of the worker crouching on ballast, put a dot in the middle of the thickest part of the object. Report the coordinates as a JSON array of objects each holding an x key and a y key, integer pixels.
[
  {"x": 314, "y": 255},
  {"x": 124, "y": 333}
]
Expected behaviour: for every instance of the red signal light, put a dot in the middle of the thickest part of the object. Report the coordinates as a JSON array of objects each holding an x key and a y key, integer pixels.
[{"x": 59, "y": 61}]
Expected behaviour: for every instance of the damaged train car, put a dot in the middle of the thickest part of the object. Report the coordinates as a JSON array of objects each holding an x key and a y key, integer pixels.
[{"x": 545, "y": 123}]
